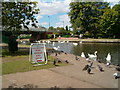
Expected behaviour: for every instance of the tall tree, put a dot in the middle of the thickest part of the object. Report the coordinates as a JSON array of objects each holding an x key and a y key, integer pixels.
[
  {"x": 110, "y": 23},
  {"x": 85, "y": 15},
  {"x": 116, "y": 7},
  {"x": 15, "y": 16},
  {"x": 18, "y": 14},
  {"x": 66, "y": 28}
]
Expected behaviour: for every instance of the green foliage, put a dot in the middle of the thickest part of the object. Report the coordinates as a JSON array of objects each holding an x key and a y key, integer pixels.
[
  {"x": 51, "y": 28},
  {"x": 116, "y": 7},
  {"x": 18, "y": 14},
  {"x": 85, "y": 15},
  {"x": 110, "y": 24},
  {"x": 66, "y": 28},
  {"x": 21, "y": 52}
]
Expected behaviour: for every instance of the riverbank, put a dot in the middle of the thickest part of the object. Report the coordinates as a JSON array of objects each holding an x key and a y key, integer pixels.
[
  {"x": 88, "y": 40},
  {"x": 70, "y": 76}
]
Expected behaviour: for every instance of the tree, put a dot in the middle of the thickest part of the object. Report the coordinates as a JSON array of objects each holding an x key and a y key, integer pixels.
[
  {"x": 51, "y": 28},
  {"x": 116, "y": 8},
  {"x": 110, "y": 24},
  {"x": 16, "y": 15},
  {"x": 66, "y": 28},
  {"x": 85, "y": 15}
]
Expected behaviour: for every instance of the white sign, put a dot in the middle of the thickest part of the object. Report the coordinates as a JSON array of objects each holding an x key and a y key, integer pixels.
[{"x": 38, "y": 52}]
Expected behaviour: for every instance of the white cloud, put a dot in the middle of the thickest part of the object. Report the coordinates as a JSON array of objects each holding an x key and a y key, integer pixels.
[
  {"x": 59, "y": 24},
  {"x": 64, "y": 21},
  {"x": 53, "y": 7},
  {"x": 39, "y": 17},
  {"x": 111, "y": 0},
  {"x": 43, "y": 23}
]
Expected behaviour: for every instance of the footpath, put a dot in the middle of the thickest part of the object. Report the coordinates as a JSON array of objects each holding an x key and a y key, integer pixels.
[{"x": 69, "y": 76}]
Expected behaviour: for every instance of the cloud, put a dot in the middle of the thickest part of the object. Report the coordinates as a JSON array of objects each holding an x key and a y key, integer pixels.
[
  {"x": 54, "y": 7},
  {"x": 43, "y": 23},
  {"x": 64, "y": 20},
  {"x": 112, "y": 1},
  {"x": 39, "y": 17},
  {"x": 59, "y": 24}
]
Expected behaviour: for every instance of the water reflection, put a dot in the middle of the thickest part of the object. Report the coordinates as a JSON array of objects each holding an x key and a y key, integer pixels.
[{"x": 102, "y": 48}]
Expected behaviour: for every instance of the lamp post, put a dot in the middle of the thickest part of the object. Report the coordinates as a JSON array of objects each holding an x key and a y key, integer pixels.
[
  {"x": 63, "y": 24},
  {"x": 49, "y": 21}
]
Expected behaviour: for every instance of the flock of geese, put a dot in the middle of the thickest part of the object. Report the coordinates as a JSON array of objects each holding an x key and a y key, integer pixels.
[
  {"x": 48, "y": 41},
  {"x": 90, "y": 57}
]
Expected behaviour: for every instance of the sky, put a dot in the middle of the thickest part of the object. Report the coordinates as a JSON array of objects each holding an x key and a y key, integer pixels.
[{"x": 55, "y": 12}]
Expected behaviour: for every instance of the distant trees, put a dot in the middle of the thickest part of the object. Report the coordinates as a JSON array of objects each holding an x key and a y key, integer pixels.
[
  {"x": 51, "y": 28},
  {"x": 96, "y": 19}
]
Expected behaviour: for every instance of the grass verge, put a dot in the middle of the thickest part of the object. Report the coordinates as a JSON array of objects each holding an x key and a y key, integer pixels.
[{"x": 24, "y": 65}]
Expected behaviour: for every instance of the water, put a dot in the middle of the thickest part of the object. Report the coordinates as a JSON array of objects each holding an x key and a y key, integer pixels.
[{"x": 102, "y": 48}]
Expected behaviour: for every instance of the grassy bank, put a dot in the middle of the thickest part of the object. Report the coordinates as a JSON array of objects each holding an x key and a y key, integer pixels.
[
  {"x": 19, "y": 61},
  {"x": 21, "y": 64}
]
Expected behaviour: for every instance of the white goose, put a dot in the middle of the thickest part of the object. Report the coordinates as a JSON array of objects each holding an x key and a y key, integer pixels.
[
  {"x": 93, "y": 56},
  {"x": 83, "y": 55},
  {"x": 62, "y": 41},
  {"x": 75, "y": 44},
  {"x": 56, "y": 48},
  {"x": 53, "y": 43},
  {"x": 108, "y": 59}
]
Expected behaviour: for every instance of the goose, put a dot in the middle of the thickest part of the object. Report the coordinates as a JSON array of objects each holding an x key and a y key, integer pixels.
[
  {"x": 58, "y": 41},
  {"x": 116, "y": 75},
  {"x": 90, "y": 65},
  {"x": 63, "y": 42},
  {"x": 39, "y": 41},
  {"x": 76, "y": 58},
  {"x": 83, "y": 55},
  {"x": 67, "y": 41},
  {"x": 93, "y": 56},
  {"x": 117, "y": 68},
  {"x": 56, "y": 48},
  {"x": 89, "y": 70},
  {"x": 53, "y": 43},
  {"x": 75, "y": 44},
  {"x": 100, "y": 68},
  {"x": 80, "y": 42},
  {"x": 48, "y": 41},
  {"x": 86, "y": 67},
  {"x": 108, "y": 59},
  {"x": 66, "y": 61}
]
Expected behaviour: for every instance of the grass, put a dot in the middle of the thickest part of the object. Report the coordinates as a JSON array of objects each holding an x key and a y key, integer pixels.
[
  {"x": 14, "y": 66},
  {"x": 19, "y": 61},
  {"x": 20, "y": 52}
]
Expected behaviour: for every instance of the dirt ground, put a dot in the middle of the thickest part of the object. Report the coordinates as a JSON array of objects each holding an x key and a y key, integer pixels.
[{"x": 70, "y": 76}]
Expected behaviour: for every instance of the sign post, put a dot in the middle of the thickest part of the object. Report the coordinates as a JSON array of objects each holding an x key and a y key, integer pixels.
[{"x": 38, "y": 54}]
